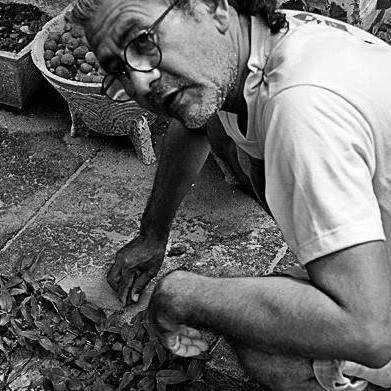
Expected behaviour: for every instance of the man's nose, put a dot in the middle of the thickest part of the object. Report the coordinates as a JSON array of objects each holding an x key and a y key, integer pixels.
[{"x": 142, "y": 81}]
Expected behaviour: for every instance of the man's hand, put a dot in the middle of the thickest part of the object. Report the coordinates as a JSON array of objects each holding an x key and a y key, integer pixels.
[
  {"x": 165, "y": 313},
  {"x": 135, "y": 265}
]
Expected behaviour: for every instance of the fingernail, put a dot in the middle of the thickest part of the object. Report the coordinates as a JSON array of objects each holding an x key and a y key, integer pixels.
[{"x": 135, "y": 296}]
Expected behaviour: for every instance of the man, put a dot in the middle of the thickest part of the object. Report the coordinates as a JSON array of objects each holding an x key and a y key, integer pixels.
[{"x": 312, "y": 99}]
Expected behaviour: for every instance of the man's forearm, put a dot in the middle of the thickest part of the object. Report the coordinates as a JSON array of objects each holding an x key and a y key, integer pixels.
[{"x": 183, "y": 155}]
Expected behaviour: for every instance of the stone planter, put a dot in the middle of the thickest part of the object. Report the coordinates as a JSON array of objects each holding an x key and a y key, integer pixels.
[
  {"x": 90, "y": 109},
  {"x": 19, "y": 78}
]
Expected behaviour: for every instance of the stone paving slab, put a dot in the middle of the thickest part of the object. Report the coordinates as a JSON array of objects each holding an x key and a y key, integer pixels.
[{"x": 93, "y": 206}]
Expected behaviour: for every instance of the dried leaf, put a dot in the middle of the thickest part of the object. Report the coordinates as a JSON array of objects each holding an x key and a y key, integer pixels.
[
  {"x": 127, "y": 378},
  {"x": 93, "y": 313},
  {"x": 148, "y": 354},
  {"x": 77, "y": 297},
  {"x": 100, "y": 385},
  {"x": 171, "y": 376}
]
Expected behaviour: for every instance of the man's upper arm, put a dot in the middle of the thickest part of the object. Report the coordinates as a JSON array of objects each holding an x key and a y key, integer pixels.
[
  {"x": 358, "y": 278},
  {"x": 320, "y": 161}
]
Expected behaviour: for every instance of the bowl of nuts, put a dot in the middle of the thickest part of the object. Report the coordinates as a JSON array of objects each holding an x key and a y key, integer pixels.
[{"x": 62, "y": 53}]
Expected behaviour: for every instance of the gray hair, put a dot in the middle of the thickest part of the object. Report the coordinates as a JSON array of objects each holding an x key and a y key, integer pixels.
[{"x": 84, "y": 10}]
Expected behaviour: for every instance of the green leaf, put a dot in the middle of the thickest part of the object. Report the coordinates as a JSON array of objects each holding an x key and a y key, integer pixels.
[
  {"x": 146, "y": 384},
  {"x": 55, "y": 301},
  {"x": 136, "y": 345},
  {"x": 56, "y": 290},
  {"x": 48, "y": 345},
  {"x": 127, "y": 378},
  {"x": 30, "y": 281},
  {"x": 55, "y": 374},
  {"x": 77, "y": 297},
  {"x": 161, "y": 353},
  {"x": 31, "y": 335},
  {"x": 13, "y": 282},
  {"x": 194, "y": 370},
  {"x": 93, "y": 313},
  {"x": 26, "y": 314},
  {"x": 6, "y": 301},
  {"x": 4, "y": 319},
  {"x": 75, "y": 385},
  {"x": 127, "y": 333},
  {"x": 35, "y": 311},
  {"x": 76, "y": 319},
  {"x": 148, "y": 354},
  {"x": 171, "y": 376},
  {"x": 18, "y": 291},
  {"x": 44, "y": 327}
]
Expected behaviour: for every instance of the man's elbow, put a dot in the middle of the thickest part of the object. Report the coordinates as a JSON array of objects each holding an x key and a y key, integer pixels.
[{"x": 375, "y": 344}]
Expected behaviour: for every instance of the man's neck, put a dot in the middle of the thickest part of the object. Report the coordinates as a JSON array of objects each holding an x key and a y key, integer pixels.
[{"x": 240, "y": 36}]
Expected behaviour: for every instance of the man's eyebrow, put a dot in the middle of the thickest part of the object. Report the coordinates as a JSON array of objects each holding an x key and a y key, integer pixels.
[{"x": 123, "y": 29}]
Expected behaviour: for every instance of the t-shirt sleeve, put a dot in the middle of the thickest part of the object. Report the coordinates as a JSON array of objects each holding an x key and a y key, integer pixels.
[{"x": 320, "y": 161}]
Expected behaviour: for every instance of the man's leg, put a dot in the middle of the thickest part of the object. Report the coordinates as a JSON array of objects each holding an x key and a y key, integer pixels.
[{"x": 277, "y": 373}]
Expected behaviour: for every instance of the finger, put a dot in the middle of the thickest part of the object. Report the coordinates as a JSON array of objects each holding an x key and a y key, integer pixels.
[
  {"x": 198, "y": 342},
  {"x": 187, "y": 351},
  {"x": 192, "y": 333},
  {"x": 124, "y": 288},
  {"x": 139, "y": 285},
  {"x": 114, "y": 276}
]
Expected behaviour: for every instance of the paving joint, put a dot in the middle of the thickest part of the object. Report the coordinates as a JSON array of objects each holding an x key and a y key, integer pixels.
[{"x": 44, "y": 208}]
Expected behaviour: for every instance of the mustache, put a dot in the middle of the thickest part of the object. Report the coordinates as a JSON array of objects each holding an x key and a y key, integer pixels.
[{"x": 161, "y": 88}]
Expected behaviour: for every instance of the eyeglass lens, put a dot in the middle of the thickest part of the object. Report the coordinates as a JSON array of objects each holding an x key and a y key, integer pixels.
[
  {"x": 142, "y": 54},
  {"x": 114, "y": 88}
]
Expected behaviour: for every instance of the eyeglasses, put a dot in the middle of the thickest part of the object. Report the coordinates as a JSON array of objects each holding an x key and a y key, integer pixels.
[{"x": 142, "y": 54}]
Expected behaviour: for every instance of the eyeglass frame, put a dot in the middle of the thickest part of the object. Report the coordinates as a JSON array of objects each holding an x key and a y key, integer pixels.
[{"x": 146, "y": 33}]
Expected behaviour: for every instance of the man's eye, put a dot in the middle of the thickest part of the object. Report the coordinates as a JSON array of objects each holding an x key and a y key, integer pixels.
[{"x": 143, "y": 44}]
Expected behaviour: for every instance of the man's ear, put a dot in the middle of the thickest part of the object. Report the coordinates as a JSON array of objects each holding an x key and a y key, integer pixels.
[{"x": 221, "y": 15}]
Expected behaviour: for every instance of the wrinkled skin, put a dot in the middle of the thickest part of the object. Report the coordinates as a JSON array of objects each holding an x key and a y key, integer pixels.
[{"x": 198, "y": 68}]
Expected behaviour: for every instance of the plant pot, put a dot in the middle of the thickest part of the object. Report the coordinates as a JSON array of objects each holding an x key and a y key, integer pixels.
[
  {"x": 19, "y": 78},
  {"x": 89, "y": 108}
]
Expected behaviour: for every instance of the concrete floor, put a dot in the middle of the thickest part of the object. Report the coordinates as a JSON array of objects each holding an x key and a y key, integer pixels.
[{"x": 76, "y": 201}]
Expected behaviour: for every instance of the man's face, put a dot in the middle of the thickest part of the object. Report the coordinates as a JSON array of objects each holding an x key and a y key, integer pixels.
[{"x": 198, "y": 66}]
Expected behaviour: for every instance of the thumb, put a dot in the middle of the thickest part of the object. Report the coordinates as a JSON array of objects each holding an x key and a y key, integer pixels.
[{"x": 139, "y": 285}]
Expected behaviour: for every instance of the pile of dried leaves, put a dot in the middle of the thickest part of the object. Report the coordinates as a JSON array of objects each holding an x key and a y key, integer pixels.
[{"x": 92, "y": 351}]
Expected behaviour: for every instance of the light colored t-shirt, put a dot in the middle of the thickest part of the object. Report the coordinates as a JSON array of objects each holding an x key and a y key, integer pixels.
[{"x": 319, "y": 112}]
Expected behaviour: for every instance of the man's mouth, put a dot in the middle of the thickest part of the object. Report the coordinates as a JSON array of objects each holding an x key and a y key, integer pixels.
[{"x": 171, "y": 98}]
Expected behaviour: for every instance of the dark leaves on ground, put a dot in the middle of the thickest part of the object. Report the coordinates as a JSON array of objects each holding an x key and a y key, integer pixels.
[{"x": 93, "y": 352}]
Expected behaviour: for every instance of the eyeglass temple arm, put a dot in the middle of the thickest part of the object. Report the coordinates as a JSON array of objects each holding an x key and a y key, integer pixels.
[{"x": 162, "y": 16}]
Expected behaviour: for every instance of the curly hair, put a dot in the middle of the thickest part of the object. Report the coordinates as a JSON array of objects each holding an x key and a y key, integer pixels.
[{"x": 266, "y": 9}]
